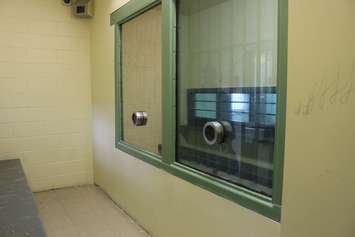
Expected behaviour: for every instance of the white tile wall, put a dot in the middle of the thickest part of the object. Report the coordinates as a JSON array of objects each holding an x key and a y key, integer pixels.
[{"x": 45, "y": 92}]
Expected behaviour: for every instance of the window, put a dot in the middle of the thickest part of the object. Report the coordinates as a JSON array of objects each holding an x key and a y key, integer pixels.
[
  {"x": 138, "y": 91},
  {"x": 219, "y": 89},
  {"x": 246, "y": 156}
]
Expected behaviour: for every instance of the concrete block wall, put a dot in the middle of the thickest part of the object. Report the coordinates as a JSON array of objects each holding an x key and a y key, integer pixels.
[{"x": 45, "y": 92}]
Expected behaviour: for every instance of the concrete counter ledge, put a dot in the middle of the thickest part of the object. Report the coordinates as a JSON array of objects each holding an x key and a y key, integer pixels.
[{"x": 18, "y": 211}]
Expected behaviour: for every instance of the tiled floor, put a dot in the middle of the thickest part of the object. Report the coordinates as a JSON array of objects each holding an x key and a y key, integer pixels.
[{"x": 84, "y": 212}]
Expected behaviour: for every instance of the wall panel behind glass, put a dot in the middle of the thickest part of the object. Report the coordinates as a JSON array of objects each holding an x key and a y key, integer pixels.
[{"x": 227, "y": 65}]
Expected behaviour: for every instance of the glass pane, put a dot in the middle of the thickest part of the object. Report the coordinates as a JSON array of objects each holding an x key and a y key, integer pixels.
[
  {"x": 141, "y": 79},
  {"x": 227, "y": 63}
]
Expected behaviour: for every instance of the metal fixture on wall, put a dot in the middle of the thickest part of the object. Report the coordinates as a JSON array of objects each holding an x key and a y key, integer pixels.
[
  {"x": 81, "y": 8},
  {"x": 140, "y": 118},
  {"x": 84, "y": 8},
  {"x": 215, "y": 132},
  {"x": 68, "y": 2}
]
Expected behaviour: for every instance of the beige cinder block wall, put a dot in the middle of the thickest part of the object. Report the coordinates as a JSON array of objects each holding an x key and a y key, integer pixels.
[
  {"x": 45, "y": 92},
  {"x": 319, "y": 179},
  {"x": 319, "y": 171}
]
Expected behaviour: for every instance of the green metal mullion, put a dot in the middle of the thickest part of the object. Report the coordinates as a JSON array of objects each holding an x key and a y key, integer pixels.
[
  {"x": 118, "y": 86},
  {"x": 281, "y": 101},
  {"x": 244, "y": 197},
  {"x": 131, "y": 9},
  {"x": 169, "y": 80},
  {"x": 143, "y": 155}
]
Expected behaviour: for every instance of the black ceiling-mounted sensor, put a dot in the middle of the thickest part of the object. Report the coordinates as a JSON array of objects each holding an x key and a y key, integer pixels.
[{"x": 67, "y": 2}]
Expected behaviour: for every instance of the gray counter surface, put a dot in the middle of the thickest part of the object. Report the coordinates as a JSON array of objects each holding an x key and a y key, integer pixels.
[{"x": 18, "y": 211}]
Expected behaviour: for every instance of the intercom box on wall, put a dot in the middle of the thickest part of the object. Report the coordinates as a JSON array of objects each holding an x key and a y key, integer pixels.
[{"x": 83, "y": 8}]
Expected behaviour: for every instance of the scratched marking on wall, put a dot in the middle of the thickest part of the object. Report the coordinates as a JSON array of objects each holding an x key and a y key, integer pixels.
[{"x": 329, "y": 91}]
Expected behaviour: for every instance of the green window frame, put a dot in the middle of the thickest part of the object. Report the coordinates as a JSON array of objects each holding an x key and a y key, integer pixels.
[{"x": 269, "y": 207}]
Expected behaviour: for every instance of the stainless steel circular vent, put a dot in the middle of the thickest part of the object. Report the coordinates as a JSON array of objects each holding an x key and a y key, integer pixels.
[
  {"x": 140, "y": 118},
  {"x": 213, "y": 133}
]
